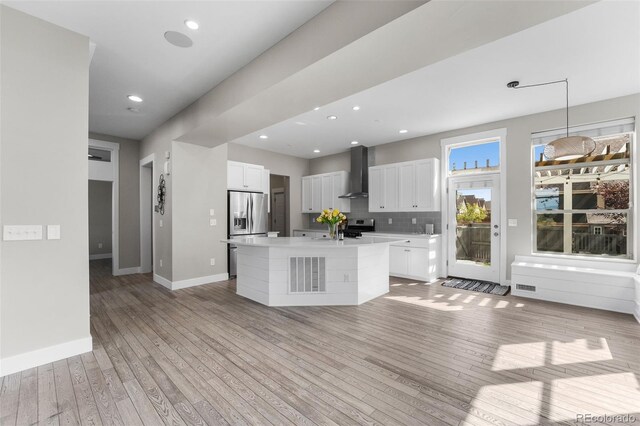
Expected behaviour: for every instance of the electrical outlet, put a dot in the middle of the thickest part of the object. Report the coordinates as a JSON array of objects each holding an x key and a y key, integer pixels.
[
  {"x": 513, "y": 222},
  {"x": 212, "y": 222},
  {"x": 99, "y": 245},
  {"x": 213, "y": 261},
  {"x": 161, "y": 263},
  {"x": 347, "y": 278},
  {"x": 390, "y": 221},
  {"x": 414, "y": 221},
  {"x": 53, "y": 232},
  {"x": 160, "y": 223},
  {"x": 212, "y": 212}
]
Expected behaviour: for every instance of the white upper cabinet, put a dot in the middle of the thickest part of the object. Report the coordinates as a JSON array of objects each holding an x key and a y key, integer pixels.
[
  {"x": 307, "y": 205},
  {"x": 245, "y": 177},
  {"x": 383, "y": 188},
  {"x": 405, "y": 187},
  {"x": 322, "y": 191}
]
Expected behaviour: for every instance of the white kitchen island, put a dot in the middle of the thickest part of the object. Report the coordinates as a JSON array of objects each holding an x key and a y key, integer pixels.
[{"x": 303, "y": 271}]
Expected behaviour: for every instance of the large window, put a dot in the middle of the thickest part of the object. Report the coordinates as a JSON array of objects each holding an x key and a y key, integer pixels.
[{"x": 584, "y": 206}]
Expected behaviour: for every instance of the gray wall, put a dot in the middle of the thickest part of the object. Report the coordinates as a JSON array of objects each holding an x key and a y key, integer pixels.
[
  {"x": 100, "y": 217},
  {"x": 518, "y": 156},
  {"x": 278, "y": 164},
  {"x": 200, "y": 183},
  {"x": 44, "y": 79},
  {"x": 129, "y": 201}
]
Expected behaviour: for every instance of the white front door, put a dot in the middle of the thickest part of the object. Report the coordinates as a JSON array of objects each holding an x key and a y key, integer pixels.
[{"x": 474, "y": 227}]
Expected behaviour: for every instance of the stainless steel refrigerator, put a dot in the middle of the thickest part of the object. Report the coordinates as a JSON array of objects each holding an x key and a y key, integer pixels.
[{"x": 247, "y": 216}]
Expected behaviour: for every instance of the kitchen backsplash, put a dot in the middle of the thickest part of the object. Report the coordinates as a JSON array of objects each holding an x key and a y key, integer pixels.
[{"x": 401, "y": 221}]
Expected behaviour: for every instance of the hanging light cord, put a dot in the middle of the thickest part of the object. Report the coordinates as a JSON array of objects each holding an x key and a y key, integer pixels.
[{"x": 565, "y": 81}]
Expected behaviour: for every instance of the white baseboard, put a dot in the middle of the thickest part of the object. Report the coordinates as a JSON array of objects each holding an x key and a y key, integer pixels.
[
  {"x": 177, "y": 285},
  {"x": 192, "y": 282},
  {"x": 162, "y": 281},
  {"x": 127, "y": 271},
  {"x": 100, "y": 256},
  {"x": 27, "y": 360}
]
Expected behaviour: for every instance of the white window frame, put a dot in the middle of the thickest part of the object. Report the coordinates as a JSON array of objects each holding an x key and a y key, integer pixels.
[{"x": 600, "y": 129}]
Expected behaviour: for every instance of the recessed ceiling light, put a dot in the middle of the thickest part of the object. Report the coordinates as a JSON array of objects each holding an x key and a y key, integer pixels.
[
  {"x": 332, "y": 117},
  {"x": 192, "y": 25},
  {"x": 356, "y": 108},
  {"x": 133, "y": 109},
  {"x": 264, "y": 137},
  {"x": 403, "y": 131},
  {"x": 134, "y": 98},
  {"x": 316, "y": 108},
  {"x": 316, "y": 151},
  {"x": 354, "y": 142}
]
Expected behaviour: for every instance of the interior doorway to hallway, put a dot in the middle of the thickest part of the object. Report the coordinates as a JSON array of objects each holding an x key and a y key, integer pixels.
[{"x": 279, "y": 199}]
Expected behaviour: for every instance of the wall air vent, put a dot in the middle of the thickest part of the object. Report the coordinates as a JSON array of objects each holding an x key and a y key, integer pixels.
[
  {"x": 307, "y": 275},
  {"x": 525, "y": 287}
]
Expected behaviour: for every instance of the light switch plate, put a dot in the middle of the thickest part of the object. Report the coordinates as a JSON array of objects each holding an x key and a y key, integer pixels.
[
  {"x": 160, "y": 223},
  {"x": 212, "y": 212},
  {"x": 53, "y": 232},
  {"x": 413, "y": 221},
  {"x": 212, "y": 222},
  {"x": 513, "y": 222},
  {"x": 22, "y": 232},
  {"x": 390, "y": 221}
]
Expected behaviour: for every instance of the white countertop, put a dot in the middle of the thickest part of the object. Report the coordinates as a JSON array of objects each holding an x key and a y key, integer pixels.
[
  {"x": 310, "y": 242},
  {"x": 378, "y": 234}
]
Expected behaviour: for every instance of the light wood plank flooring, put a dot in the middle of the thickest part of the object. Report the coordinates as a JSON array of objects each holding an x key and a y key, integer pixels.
[{"x": 422, "y": 355}]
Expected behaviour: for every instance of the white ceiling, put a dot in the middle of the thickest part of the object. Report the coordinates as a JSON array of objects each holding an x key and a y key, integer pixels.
[
  {"x": 596, "y": 47},
  {"x": 132, "y": 56}
]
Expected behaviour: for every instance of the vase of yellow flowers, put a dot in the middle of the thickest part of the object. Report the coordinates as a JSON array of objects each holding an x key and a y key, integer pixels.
[{"x": 332, "y": 218}]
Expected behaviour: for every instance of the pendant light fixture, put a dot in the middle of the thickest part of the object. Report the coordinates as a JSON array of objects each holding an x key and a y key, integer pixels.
[{"x": 567, "y": 147}]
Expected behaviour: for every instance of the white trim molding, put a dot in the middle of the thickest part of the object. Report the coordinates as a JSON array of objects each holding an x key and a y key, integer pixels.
[
  {"x": 100, "y": 256},
  {"x": 192, "y": 282},
  {"x": 127, "y": 271},
  {"x": 31, "y": 359}
]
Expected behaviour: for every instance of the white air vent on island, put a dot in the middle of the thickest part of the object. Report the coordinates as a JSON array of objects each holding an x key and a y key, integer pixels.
[{"x": 307, "y": 275}]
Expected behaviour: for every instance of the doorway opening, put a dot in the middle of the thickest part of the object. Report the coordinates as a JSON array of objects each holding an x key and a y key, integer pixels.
[
  {"x": 147, "y": 231},
  {"x": 103, "y": 190},
  {"x": 473, "y": 174},
  {"x": 279, "y": 210},
  {"x": 100, "y": 220}
]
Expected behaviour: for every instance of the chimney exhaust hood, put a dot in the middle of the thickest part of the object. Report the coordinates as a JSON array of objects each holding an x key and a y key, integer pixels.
[{"x": 359, "y": 173}]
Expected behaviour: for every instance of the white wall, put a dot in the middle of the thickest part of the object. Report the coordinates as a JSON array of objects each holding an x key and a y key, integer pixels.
[
  {"x": 200, "y": 183},
  {"x": 278, "y": 164},
  {"x": 100, "y": 209},
  {"x": 44, "y": 285}
]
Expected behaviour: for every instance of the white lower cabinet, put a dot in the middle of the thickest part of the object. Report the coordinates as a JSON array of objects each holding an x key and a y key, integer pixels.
[{"x": 416, "y": 259}]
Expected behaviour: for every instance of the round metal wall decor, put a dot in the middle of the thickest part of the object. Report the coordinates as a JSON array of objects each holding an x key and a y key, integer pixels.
[{"x": 162, "y": 191}]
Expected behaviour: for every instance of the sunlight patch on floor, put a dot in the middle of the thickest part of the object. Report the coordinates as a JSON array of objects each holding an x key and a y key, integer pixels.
[
  {"x": 427, "y": 303},
  {"x": 619, "y": 401},
  {"x": 488, "y": 396},
  {"x": 485, "y": 301},
  {"x": 520, "y": 355},
  {"x": 595, "y": 349},
  {"x": 502, "y": 304}
]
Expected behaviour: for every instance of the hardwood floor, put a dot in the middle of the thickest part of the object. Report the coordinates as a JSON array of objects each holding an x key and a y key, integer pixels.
[{"x": 423, "y": 354}]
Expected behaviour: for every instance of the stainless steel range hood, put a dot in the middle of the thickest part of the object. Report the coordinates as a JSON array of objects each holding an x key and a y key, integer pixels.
[{"x": 359, "y": 173}]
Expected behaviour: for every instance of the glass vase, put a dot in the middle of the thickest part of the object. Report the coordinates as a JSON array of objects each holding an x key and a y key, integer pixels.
[{"x": 333, "y": 231}]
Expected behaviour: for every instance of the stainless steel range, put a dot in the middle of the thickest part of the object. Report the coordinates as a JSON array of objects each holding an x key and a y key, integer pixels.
[{"x": 356, "y": 227}]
